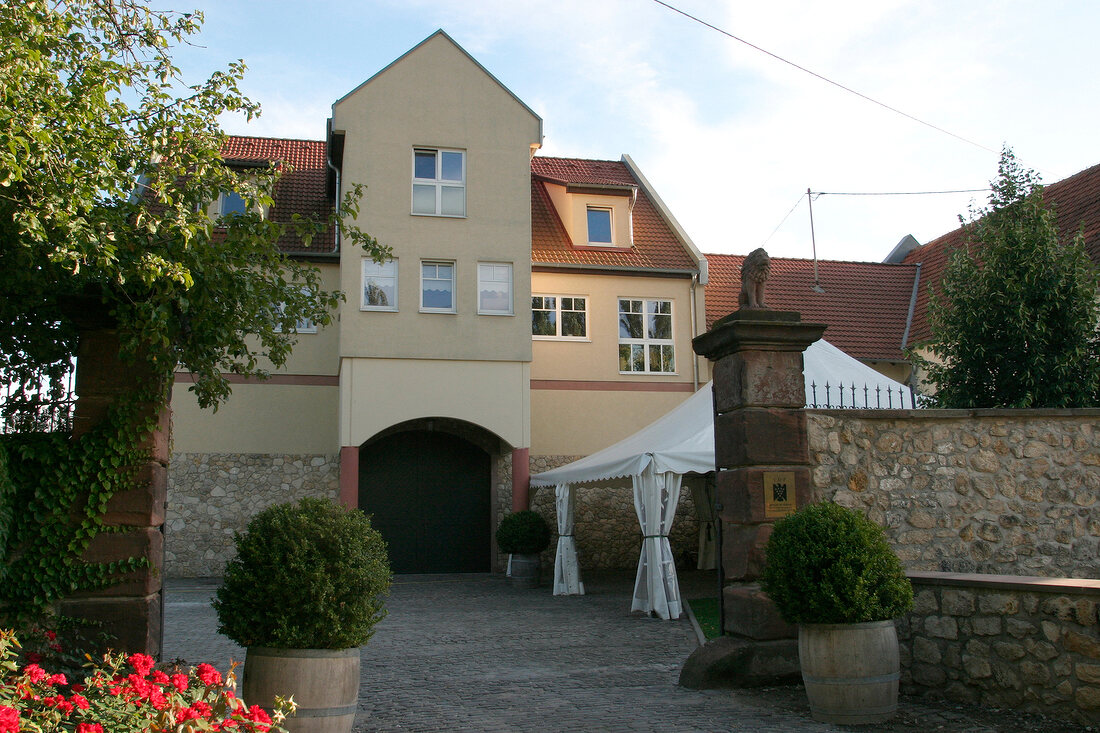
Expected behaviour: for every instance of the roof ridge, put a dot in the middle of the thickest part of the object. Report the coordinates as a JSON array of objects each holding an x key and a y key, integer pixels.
[
  {"x": 275, "y": 139},
  {"x": 810, "y": 259},
  {"x": 584, "y": 160}
]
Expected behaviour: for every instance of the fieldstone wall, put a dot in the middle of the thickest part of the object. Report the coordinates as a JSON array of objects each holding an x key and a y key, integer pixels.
[
  {"x": 987, "y": 491},
  {"x": 606, "y": 526},
  {"x": 1015, "y": 642},
  {"x": 213, "y": 495}
]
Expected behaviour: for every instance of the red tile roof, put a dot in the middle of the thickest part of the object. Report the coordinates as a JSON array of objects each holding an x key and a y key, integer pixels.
[
  {"x": 301, "y": 191},
  {"x": 865, "y": 304},
  {"x": 1076, "y": 201},
  {"x": 656, "y": 246}
]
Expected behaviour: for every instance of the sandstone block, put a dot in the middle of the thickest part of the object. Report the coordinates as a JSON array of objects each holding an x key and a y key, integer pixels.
[{"x": 750, "y": 613}]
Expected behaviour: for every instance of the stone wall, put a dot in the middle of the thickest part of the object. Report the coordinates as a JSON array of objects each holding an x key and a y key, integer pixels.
[
  {"x": 213, "y": 495},
  {"x": 606, "y": 526},
  {"x": 988, "y": 491},
  {"x": 1017, "y": 642}
]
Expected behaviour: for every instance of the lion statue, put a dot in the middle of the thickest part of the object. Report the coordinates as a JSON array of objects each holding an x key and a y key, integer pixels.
[{"x": 754, "y": 275}]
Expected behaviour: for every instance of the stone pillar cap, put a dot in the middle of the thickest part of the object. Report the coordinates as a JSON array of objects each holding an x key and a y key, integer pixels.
[{"x": 757, "y": 328}]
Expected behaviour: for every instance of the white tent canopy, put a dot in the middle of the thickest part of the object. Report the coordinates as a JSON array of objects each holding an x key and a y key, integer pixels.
[{"x": 654, "y": 461}]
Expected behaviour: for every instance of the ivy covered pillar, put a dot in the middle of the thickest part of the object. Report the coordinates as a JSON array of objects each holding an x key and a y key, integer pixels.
[
  {"x": 762, "y": 463},
  {"x": 131, "y": 609}
]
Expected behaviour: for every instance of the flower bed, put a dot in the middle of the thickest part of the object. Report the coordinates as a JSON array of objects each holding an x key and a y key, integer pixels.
[{"x": 120, "y": 694}]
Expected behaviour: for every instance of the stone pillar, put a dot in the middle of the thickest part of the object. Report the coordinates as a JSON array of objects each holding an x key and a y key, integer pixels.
[
  {"x": 761, "y": 451},
  {"x": 132, "y": 609}
]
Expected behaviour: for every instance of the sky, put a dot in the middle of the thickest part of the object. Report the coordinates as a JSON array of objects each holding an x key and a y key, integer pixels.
[{"x": 730, "y": 137}]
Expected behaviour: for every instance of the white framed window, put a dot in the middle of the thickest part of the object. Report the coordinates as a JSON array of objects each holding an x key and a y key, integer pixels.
[
  {"x": 645, "y": 336},
  {"x": 494, "y": 288},
  {"x": 304, "y": 325},
  {"x": 437, "y": 287},
  {"x": 559, "y": 317},
  {"x": 379, "y": 285},
  {"x": 439, "y": 182},
  {"x": 599, "y": 226},
  {"x": 231, "y": 203}
]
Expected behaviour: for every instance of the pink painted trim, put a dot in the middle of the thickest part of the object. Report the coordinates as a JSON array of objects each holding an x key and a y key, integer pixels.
[
  {"x": 349, "y": 476},
  {"x": 308, "y": 380},
  {"x": 521, "y": 479},
  {"x": 593, "y": 386}
]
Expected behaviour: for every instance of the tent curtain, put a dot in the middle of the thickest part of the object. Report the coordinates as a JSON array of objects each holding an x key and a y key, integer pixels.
[
  {"x": 656, "y": 589},
  {"x": 702, "y": 492},
  {"x": 567, "y": 572}
]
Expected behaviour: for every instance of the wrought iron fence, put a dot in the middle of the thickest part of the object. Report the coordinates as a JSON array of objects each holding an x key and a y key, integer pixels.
[
  {"x": 42, "y": 407},
  {"x": 866, "y": 397}
]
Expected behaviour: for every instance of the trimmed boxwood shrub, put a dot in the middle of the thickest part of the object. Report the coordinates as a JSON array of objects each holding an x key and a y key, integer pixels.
[
  {"x": 523, "y": 533},
  {"x": 311, "y": 575},
  {"x": 830, "y": 565}
]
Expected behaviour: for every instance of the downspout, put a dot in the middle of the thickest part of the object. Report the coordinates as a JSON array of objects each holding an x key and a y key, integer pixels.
[
  {"x": 694, "y": 333},
  {"x": 905, "y": 336},
  {"x": 336, "y": 171}
]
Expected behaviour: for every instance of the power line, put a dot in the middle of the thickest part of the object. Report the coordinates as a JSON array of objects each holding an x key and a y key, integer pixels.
[
  {"x": 825, "y": 79},
  {"x": 784, "y": 220},
  {"x": 899, "y": 193}
]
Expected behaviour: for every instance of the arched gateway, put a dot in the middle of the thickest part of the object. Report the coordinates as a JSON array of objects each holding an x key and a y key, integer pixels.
[{"x": 429, "y": 486}]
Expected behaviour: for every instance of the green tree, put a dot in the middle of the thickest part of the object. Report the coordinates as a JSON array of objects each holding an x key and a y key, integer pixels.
[
  {"x": 1015, "y": 321},
  {"x": 108, "y": 161}
]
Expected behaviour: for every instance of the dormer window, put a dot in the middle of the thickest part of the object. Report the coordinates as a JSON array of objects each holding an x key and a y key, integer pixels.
[
  {"x": 231, "y": 203},
  {"x": 439, "y": 182},
  {"x": 599, "y": 226}
]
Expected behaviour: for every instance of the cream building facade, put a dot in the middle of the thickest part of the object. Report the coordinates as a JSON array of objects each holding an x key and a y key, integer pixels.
[{"x": 534, "y": 310}]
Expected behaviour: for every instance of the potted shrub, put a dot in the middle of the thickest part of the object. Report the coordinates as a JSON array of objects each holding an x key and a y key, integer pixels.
[
  {"x": 302, "y": 595},
  {"x": 831, "y": 571},
  {"x": 523, "y": 535}
]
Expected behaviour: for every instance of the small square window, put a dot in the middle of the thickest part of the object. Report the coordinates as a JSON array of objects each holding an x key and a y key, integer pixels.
[
  {"x": 304, "y": 325},
  {"x": 439, "y": 182},
  {"x": 494, "y": 288},
  {"x": 231, "y": 203},
  {"x": 379, "y": 285},
  {"x": 437, "y": 287},
  {"x": 599, "y": 226}
]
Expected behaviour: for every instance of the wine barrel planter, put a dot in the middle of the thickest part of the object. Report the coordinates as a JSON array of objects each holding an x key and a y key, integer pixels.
[
  {"x": 323, "y": 682},
  {"x": 851, "y": 671},
  {"x": 525, "y": 571}
]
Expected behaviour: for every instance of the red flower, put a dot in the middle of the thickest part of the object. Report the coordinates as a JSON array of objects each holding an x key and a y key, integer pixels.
[
  {"x": 34, "y": 657},
  {"x": 208, "y": 675},
  {"x": 56, "y": 679},
  {"x": 78, "y": 688},
  {"x": 260, "y": 717},
  {"x": 187, "y": 714},
  {"x": 179, "y": 681},
  {"x": 80, "y": 701},
  {"x": 9, "y": 720},
  {"x": 51, "y": 635},
  {"x": 34, "y": 673},
  {"x": 89, "y": 728},
  {"x": 160, "y": 677},
  {"x": 141, "y": 662},
  {"x": 203, "y": 708}
]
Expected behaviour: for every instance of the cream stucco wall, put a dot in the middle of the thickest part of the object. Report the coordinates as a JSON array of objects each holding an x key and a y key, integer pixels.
[
  {"x": 258, "y": 418},
  {"x": 597, "y": 358},
  {"x": 577, "y": 423},
  {"x": 437, "y": 97},
  {"x": 378, "y": 393}
]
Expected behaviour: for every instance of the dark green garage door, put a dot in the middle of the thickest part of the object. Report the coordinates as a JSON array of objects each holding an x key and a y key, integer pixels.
[{"x": 429, "y": 495}]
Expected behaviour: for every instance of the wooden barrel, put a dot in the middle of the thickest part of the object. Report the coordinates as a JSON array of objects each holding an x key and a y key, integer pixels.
[
  {"x": 851, "y": 671},
  {"x": 525, "y": 571},
  {"x": 323, "y": 682}
]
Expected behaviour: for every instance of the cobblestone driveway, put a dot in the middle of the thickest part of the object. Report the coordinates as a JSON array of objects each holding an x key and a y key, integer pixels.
[{"x": 470, "y": 653}]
